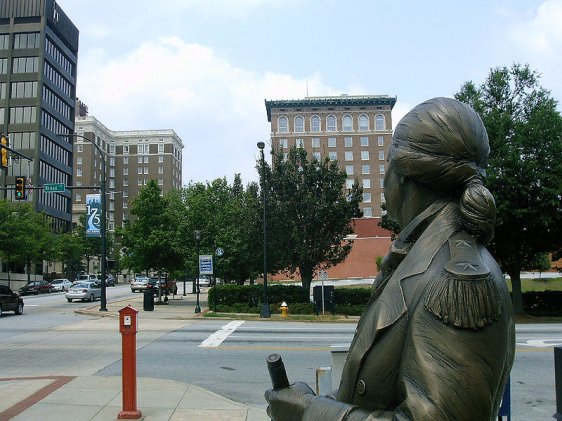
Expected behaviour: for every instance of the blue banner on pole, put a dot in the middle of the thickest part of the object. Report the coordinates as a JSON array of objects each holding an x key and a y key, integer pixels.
[
  {"x": 93, "y": 215},
  {"x": 206, "y": 264}
]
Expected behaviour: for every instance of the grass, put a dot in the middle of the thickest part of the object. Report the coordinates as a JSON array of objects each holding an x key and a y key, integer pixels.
[{"x": 542, "y": 284}]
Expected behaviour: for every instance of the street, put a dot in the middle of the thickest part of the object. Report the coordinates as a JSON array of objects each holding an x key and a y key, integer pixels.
[{"x": 223, "y": 356}]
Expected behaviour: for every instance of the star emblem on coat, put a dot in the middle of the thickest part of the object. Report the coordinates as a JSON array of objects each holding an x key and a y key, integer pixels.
[
  {"x": 465, "y": 266},
  {"x": 462, "y": 243}
]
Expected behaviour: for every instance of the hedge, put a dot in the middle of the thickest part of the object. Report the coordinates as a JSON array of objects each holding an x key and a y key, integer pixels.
[{"x": 348, "y": 301}]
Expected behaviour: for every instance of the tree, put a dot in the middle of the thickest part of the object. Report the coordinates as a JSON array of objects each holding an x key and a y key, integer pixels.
[
  {"x": 150, "y": 237},
  {"x": 525, "y": 169},
  {"x": 309, "y": 213}
]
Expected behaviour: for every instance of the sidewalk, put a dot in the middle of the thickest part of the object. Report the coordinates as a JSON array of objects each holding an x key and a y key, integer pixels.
[{"x": 97, "y": 398}]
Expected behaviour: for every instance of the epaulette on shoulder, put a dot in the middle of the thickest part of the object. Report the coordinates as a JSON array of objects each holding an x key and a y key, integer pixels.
[{"x": 465, "y": 295}]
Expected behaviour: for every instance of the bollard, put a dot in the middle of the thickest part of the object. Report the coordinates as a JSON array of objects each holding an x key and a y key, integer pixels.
[
  {"x": 128, "y": 327},
  {"x": 558, "y": 381},
  {"x": 284, "y": 309}
]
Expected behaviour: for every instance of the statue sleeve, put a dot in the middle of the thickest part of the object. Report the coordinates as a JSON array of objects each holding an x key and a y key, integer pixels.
[{"x": 322, "y": 408}]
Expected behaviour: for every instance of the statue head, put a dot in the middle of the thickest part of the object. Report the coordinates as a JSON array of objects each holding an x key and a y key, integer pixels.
[{"x": 443, "y": 146}]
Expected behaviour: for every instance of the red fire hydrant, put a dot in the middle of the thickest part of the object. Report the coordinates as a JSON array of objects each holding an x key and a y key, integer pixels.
[{"x": 128, "y": 327}]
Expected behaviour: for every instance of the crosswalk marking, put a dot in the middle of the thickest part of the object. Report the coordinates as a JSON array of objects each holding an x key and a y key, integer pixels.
[{"x": 220, "y": 335}]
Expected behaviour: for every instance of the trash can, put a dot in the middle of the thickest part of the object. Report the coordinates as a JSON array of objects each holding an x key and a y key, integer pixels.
[
  {"x": 148, "y": 302},
  {"x": 329, "y": 300}
]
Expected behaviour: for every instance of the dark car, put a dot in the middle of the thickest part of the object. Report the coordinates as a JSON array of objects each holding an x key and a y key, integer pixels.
[
  {"x": 10, "y": 301},
  {"x": 36, "y": 287},
  {"x": 167, "y": 286}
]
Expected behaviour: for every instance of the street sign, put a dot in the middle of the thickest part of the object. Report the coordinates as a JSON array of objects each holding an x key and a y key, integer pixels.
[
  {"x": 219, "y": 251},
  {"x": 56, "y": 187},
  {"x": 206, "y": 264}
]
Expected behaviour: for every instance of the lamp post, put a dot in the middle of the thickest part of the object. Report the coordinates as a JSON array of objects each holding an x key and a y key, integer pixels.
[
  {"x": 265, "y": 312},
  {"x": 197, "y": 240},
  {"x": 103, "y": 300}
]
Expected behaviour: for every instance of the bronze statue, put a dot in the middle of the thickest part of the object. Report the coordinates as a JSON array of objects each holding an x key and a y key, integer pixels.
[{"x": 437, "y": 339}]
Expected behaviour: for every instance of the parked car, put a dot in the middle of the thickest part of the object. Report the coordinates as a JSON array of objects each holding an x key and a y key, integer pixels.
[
  {"x": 10, "y": 301},
  {"x": 87, "y": 277},
  {"x": 61, "y": 284},
  {"x": 167, "y": 286},
  {"x": 139, "y": 284},
  {"x": 36, "y": 287},
  {"x": 84, "y": 291},
  {"x": 109, "y": 279},
  {"x": 204, "y": 281}
]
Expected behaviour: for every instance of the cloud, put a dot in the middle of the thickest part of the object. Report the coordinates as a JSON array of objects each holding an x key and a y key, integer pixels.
[
  {"x": 216, "y": 108},
  {"x": 535, "y": 37}
]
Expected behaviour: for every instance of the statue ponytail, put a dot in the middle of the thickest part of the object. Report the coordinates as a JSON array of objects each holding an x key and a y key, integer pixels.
[{"x": 478, "y": 211}]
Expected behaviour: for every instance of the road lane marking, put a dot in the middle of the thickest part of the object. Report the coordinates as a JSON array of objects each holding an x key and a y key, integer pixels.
[
  {"x": 220, "y": 335},
  {"x": 541, "y": 343}
]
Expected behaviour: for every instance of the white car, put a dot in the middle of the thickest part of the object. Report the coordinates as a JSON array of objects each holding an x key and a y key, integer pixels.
[
  {"x": 204, "y": 281},
  {"x": 139, "y": 284},
  {"x": 61, "y": 284},
  {"x": 84, "y": 291}
]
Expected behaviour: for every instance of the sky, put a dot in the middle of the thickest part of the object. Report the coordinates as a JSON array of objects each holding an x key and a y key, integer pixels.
[{"x": 205, "y": 67}]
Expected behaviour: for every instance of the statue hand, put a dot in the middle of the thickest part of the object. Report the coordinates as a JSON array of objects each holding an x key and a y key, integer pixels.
[{"x": 288, "y": 404}]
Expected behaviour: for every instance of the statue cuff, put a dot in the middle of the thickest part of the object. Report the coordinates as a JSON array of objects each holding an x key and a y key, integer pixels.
[{"x": 322, "y": 408}]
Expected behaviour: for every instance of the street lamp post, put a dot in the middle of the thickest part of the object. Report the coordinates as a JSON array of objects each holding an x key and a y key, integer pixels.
[
  {"x": 197, "y": 240},
  {"x": 265, "y": 312},
  {"x": 103, "y": 301}
]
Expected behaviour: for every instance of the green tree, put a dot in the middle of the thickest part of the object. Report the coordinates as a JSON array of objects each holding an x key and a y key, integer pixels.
[
  {"x": 91, "y": 246},
  {"x": 150, "y": 237},
  {"x": 25, "y": 235},
  {"x": 310, "y": 213},
  {"x": 69, "y": 250},
  {"x": 525, "y": 169}
]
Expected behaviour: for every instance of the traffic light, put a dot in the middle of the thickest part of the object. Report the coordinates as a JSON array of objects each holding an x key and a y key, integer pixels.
[
  {"x": 20, "y": 188},
  {"x": 4, "y": 144}
]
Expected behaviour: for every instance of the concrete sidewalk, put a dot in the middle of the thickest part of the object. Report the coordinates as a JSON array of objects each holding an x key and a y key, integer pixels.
[{"x": 99, "y": 398}]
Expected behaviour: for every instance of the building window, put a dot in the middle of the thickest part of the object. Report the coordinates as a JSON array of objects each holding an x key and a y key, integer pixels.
[
  {"x": 125, "y": 204},
  {"x": 299, "y": 124},
  {"x": 331, "y": 123},
  {"x": 160, "y": 181},
  {"x": 139, "y": 170},
  {"x": 80, "y": 148},
  {"x": 363, "y": 123},
  {"x": 381, "y": 169},
  {"x": 348, "y": 141},
  {"x": 283, "y": 125},
  {"x": 365, "y": 169},
  {"x": 78, "y": 197},
  {"x": 383, "y": 200},
  {"x": 381, "y": 183},
  {"x": 125, "y": 182},
  {"x": 364, "y": 141},
  {"x": 379, "y": 122},
  {"x": 347, "y": 123},
  {"x": 349, "y": 169},
  {"x": 316, "y": 156},
  {"x": 125, "y": 160},
  {"x": 315, "y": 123},
  {"x": 348, "y": 183},
  {"x": 160, "y": 159},
  {"x": 160, "y": 148},
  {"x": 299, "y": 143},
  {"x": 366, "y": 183},
  {"x": 139, "y": 159},
  {"x": 112, "y": 184},
  {"x": 333, "y": 156},
  {"x": 125, "y": 192},
  {"x": 112, "y": 172},
  {"x": 139, "y": 181},
  {"x": 79, "y": 160},
  {"x": 125, "y": 170},
  {"x": 283, "y": 143},
  {"x": 367, "y": 212},
  {"x": 146, "y": 159},
  {"x": 160, "y": 170},
  {"x": 126, "y": 149},
  {"x": 381, "y": 140},
  {"x": 146, "y": 170},
  {"x": 348, "y": 155},
  {"x": 381, "y": 155},
  {"x": 78, "y": 172},
  {"x": 366, "y": 197},
  {"x": 364, "y": 155},
  {"x": 315, "y": 142},
  {"x": 331, "y": 142}
]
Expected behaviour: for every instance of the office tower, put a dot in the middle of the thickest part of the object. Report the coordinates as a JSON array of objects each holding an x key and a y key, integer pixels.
[
  {"x": 132, "y": 158},
  {"x": 38, "y": 59},
  {"x": 354, "y": 130}
]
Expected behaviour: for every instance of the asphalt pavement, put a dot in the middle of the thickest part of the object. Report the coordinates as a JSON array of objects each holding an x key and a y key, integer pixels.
[{"x": 99, "y": 398}]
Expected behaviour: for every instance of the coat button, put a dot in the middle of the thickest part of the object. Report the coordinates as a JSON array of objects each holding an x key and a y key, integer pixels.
[{"x": 361, "y": 388}]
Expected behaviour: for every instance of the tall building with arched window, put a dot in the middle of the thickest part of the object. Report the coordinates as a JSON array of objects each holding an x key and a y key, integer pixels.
[{"x": 354, "y": 130}]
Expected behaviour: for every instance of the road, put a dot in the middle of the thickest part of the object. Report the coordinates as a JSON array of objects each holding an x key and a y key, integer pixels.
[{"x": 227, "y": 357}]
